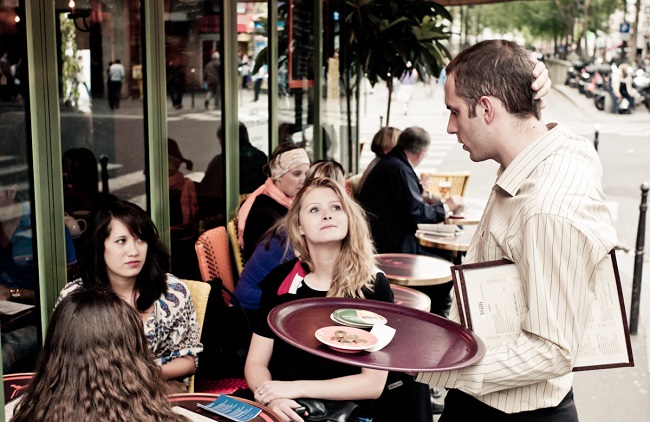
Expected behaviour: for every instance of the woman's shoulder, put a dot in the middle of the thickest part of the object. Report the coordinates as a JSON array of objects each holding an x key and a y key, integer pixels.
[
  {"x": 382, "y": 290},
  {"x": 176, "y": 286},
  {"x": 69, "y": 288}
]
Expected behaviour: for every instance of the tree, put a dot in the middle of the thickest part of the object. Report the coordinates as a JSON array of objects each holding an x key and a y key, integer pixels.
[
  {"x": 383, "y": 36},
  {"x": 548, "y": 19}
]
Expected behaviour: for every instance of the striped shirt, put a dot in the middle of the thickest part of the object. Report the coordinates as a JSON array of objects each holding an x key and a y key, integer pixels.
[{"x": 547, "y": 214}]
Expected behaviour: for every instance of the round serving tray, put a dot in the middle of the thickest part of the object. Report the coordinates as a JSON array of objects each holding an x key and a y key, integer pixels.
[{"x": 423, "y": 342}]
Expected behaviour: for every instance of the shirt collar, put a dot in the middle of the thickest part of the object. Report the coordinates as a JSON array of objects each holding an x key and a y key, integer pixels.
[{"x": 510, "y": 179}]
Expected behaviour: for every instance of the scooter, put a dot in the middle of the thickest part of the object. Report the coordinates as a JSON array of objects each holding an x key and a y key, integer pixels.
[{"x": 641, "y": 83}]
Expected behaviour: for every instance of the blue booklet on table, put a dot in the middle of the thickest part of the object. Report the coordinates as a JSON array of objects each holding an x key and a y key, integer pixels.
[{"x": 231, "y": 408}]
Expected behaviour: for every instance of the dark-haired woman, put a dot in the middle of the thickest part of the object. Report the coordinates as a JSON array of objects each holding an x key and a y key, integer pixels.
[
  {"x": 95, "y": 366},
  {"x": 125, "y": 254}
]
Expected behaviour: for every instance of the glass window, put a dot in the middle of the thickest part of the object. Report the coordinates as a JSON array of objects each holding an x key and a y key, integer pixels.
[
  {"x": 18, "y": 273},
  {"x": 193, "y": 55},
  {"x": 101, "y": 106}
]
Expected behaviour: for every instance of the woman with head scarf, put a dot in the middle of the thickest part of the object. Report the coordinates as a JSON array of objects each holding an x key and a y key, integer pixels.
[{"x": 270, "y": 202}]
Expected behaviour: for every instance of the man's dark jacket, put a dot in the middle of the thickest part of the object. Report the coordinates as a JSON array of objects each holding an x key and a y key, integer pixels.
[{"x": 392, "y": 198}]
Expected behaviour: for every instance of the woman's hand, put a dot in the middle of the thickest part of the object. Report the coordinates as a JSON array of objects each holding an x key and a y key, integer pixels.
[
  {"x": 284, "y": 409},
  {"x": 273, "y": 390}
]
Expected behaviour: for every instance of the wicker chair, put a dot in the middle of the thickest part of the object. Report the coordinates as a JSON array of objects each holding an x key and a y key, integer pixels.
[
  {"x": 458, "y": 181},
  {"x": 233, "y": 235},
  {"x": 200, "y": 291},
  {"x": 213, "y": 254}
]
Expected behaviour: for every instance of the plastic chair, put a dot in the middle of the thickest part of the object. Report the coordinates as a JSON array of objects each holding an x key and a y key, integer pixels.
[
  {"x": 200, "y": 291},
  {"x": 233, "y": 235},
  {"x": 459, "y": 180},
  {"x": 213, "y": 254}
]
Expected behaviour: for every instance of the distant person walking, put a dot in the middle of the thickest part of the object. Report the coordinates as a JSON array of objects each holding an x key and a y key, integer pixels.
[
  {"x": 176, "y": 83},
  {"x": 211, "y": 76},
  {"x": 6, "y": 78},
  {"x": 407, "y": 84},
  {"x": 116, "y": 73}
]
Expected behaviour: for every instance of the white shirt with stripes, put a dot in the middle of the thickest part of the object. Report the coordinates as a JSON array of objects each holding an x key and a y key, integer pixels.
[{"x": 547, "y": 214}]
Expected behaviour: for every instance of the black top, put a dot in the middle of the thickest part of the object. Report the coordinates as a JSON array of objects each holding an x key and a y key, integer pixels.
[
  {"x": 288, "y": 363},
  {"x": 262, "y": 216},
  {"x": 392, "y": 198}
]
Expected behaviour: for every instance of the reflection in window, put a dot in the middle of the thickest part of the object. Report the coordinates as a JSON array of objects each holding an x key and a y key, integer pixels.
[
  {"x": 101, "y": 108},
  {"x": 18, "y": 277},
  {"x": 193, "y": 50}
]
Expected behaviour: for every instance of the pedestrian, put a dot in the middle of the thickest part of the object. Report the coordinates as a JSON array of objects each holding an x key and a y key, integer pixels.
[
  {"x": 622, "y": 89},
  {"x": 116, "y": 73},
  {"x": 258, "y": 78},
  {"x": 407, "y": 84},
  {"x": 6, "y": 79},
  {"x": 546, "y": 214},
  {"x": 212, "y": 77},
  {"x": 176, "y": 83}
]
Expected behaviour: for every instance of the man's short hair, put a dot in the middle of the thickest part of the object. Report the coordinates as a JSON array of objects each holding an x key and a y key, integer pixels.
[
  {"x": 497, "y": 68},
  {"x": 414, "y": 139}
]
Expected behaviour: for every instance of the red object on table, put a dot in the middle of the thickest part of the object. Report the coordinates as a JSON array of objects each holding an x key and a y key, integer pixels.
[
  {"x": 189, "y": 401},
  {"x": 423, "y": 342}
]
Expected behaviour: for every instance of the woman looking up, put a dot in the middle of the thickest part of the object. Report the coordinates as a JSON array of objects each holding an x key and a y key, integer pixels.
[
  {"x": 329, "y": 233},
  {"x": 125, "y": 254},
  {"x": 287, "y": 170},
  {"x": 95, "y": 366}
]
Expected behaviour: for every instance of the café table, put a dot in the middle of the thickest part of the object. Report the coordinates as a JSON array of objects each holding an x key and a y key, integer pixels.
[
  {"x": 423, "y": 342},
  {"x": 190, "y": 401},
  {"x": 456, "y": 244},
  {"x": 412, "y": 298},
  {"x": 414, "y": 270}
]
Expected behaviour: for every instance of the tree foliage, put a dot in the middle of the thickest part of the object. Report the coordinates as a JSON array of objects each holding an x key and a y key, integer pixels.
[
  {"x": 384, "y": 37},
  {"x": 547, "y": 20}
]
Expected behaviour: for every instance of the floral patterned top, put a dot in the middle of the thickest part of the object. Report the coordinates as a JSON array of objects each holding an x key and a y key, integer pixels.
[{"x": 172, "y": 328}]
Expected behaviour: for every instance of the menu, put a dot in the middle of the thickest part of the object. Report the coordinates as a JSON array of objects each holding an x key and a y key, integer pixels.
[
  {"x": 232, "y": 408},
  {"x": 492, "y": 301}
]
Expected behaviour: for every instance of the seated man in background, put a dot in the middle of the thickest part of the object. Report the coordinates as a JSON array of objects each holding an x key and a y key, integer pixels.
[{"x": 393, "y": 196}]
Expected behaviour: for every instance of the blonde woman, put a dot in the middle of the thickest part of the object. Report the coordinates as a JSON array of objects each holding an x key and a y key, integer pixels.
[{"x": 329, "y": 233}]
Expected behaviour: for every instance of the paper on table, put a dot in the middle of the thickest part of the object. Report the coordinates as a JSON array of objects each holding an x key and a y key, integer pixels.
[
  {"x": 232, "y": 408},
  {"x": 12, "y": 308},
  {"x": 194, "y": 417},
  {"x": 384, "y": 335},
  {"x": 424, "y": 233}
]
